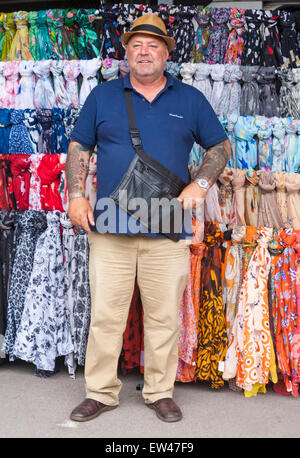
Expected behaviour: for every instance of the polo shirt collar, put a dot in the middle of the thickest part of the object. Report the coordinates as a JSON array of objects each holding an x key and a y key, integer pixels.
[{"x": 127, "y": 84}]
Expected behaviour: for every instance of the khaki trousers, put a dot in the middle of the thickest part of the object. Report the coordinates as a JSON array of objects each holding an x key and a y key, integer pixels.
[{"x": 161, "y": 267}]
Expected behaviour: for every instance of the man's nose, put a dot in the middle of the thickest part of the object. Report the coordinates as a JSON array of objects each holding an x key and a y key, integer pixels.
[{"x": 144, "y": 49}]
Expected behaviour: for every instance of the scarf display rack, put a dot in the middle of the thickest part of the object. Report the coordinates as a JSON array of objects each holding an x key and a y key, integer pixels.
[{"x": 244, "y": 256}]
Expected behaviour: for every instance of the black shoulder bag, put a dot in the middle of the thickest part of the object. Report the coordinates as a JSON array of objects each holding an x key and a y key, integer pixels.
[{"x": 149, "y": 180}]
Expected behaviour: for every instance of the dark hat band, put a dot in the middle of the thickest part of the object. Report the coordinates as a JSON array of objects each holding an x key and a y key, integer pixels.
[{"x": 148, "y": 28}]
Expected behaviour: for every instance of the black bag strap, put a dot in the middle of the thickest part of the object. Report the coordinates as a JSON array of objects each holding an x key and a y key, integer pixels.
[{"x": 134, "y": 131}]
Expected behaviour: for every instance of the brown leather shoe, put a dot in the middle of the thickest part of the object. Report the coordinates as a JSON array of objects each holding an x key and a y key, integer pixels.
[
  {"x": 166, "y": 410},
  {"x": 89, "y": 409}
]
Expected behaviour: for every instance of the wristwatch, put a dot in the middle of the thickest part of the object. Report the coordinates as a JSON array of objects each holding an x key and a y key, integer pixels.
[{"x": 202, "y": 182}]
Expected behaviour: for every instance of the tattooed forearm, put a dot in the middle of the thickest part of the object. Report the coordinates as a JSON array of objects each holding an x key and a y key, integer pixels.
[
  {"x": 77, "y": 166},
  {"x": 214, "y": 161}
]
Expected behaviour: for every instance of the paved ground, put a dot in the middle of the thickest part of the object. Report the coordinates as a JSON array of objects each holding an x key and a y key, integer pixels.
[{"x": 31, "y": 407}]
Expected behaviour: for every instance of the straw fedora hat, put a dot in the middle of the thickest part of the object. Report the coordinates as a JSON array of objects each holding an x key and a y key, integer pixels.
[{"x": 151, "y": 25}]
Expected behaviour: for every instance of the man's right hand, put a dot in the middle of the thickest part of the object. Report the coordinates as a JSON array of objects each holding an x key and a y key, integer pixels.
[{"x": 80, "y": 213}]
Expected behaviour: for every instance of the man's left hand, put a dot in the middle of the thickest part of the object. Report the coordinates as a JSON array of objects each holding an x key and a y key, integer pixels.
[{"x": 192, "y": 196}]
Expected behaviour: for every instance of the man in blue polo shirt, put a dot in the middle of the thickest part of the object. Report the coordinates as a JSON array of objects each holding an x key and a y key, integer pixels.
[{"x": 170, "y": 117}]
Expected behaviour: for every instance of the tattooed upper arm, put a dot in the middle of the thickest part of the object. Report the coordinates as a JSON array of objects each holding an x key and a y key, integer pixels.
[
  {"x": 77, "y": 166},
  {"x": 215, "y": 161}
]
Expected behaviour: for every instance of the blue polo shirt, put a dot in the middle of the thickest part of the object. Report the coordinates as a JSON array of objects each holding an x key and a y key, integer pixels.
[{"x": 178, "y": 116}]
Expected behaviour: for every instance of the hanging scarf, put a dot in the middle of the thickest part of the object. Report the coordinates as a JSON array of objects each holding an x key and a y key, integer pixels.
[
  {"x": 76, "y": 293},
  {"x": 24, "y": 98},
  {"x": 173, "y": 68},
  {"x": 44, "y": 333},
  {"x": 11, "y": 73},
  {"x": 251, "y": 198},
  {"x": 229, "y": 102},
  {"x": 235, "y": 42},
  {"x": 268, "y": 98},
  {"x": 284, "y": 300},
  {"x": 238, "y": 201},
  {"x": 187, "y": 72},
  {"x": 30, "y": 225},
  {"x": 49, "y": 171},
  {"x": 10, "y": 31},
  {"x": 4, "y": 198},
  {"x": 264, "y": 134},
  {"x": 2, "y": 84},
  {"x": 59, "y": 138},
  {"x": 292, "y": 183},
  {"x": 19, "y": 141},
  {"x": 252, "y": 37},
  {"x": 218, "y": 35},
  {"x": 63, "y": 191},
  {"x": 124, "y": 68},
  {"x": 71, "y": 72},
  {"x": 89, "y": 70},
  {"x": 88, "y": 43},
  {"x": 45, "y": 143},
  {"x": 108, "y": 31},
  {"x": 202, "y": 17},
  {"x": 131, "y": 354},
  {"x": 202, "y": 80},
  {"x": 296, "y": 342},
  {"x": 296, "y": 73},
  {"x": 212, "y": 211},
  {"x": 72, "y": 29},
  {"x": 249, "y": 245},
  {"x": 231, "y": 121},
  {"x": 2, "y": 32},
  {"x": 70, "y": 117},
  {"x": 288, "y": 39},
  {"x": 268, "y": 211},
  {"x": 271, "y": 50},
  {"x": 195, "y": 159},
  {"x": 217, "y": 75},
  {"x": 249, "y": 353},
  {"x": 212, "y": 336},
  {"x": 183, "y": 34},
  {"x": 189, "y": 311},
  {"x": 82, "y": 304},
  {"x": 61, "y": 46},
  {"x": 250, "y": 91},
  {"x": 281, "y": 196},
  {"x": 44, "y": 96},
  {"x": 278, "y": 147},
  {"x": 6, "y": 168},
  {"x": 43, "y": 43},
  {"x": 33, "y": 128},
  {"x": 5, "y": 127},
  {"x": 34, "y": 200},
  {"x": 32, "y": 17},
  {"x": 62, "y": 98},
  {"x": 19, "y": 164},
  {"x": 287, "y": 95},
  {"x": 232, "y": 275},
  {"x": 246, "y": 148},
  {"x": 290, "y": 144},
  {"x": 225, "y": 194},
  {"x": 298, "y": 146},
  {"x": 20, "y": 49},
  {"x": 110, "y": 69},
  {"x": 7, "y": 224}
]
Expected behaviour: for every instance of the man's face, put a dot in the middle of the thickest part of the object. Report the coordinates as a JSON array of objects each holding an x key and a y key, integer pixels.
[{"x": 146, "y": 55}]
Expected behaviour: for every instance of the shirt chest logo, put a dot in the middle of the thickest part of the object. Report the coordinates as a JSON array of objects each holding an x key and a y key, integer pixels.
[{"x": 176, "y": 115}]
